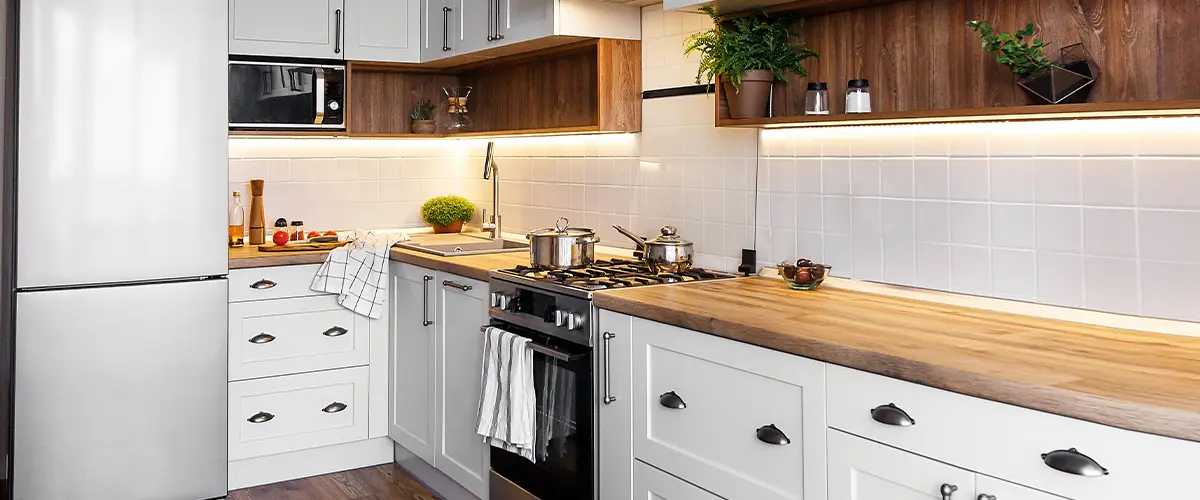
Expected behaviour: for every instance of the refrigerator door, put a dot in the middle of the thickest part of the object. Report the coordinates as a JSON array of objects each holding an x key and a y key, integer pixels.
[
  {"x": 121, "y": 393},
  {"x": 123, "y": 138}
]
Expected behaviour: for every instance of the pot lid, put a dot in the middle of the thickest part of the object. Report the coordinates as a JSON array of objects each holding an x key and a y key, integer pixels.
[
  {"x": 669, "y": 237},
  {"x": 560, "y": 229}
]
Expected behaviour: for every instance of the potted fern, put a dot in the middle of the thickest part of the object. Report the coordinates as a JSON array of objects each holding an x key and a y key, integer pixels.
[
  {"x": 1066, "y": 80},
  {"x": 749, "y": 54},
  {"x": 447, "y": 213},
  {"x": 423, "y": 117}
]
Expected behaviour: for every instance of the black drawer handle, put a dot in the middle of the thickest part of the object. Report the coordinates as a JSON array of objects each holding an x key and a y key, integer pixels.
[
  {"x": 260, "y": 417},
  {"x": 985, "y": 496},
  {"x": 334, "y": 407},
  {"x": 891, "y": 414},
  {"x": 336, "y": 331},
  {"x": 672, "y": 401},
  {"x": 262, "y": 338},
  {"x": 262, "y": 284},
  {"x": 1073, "y": 462},
  {"x": 948, "y": 490},
  {"x": 772, "y": 435}
]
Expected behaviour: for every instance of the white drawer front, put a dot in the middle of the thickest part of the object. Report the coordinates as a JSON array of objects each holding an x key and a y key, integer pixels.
[
  {"x": 296, "y": 412},
  {"x": 271, "y": 282},
  {"x": 280, "y": 337},
  {"x": 865, "y": 470},
  {"x": 1007, "y": 442},
  {"x": 732, "y": 392},
  {"x": 652, "y": 484}
]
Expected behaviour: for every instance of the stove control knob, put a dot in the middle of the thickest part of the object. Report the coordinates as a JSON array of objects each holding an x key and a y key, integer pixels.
[
  {"x": 560, "y": 318},
  {"x": 501, "y": 300},
  {"x": 573, "y": 321}
]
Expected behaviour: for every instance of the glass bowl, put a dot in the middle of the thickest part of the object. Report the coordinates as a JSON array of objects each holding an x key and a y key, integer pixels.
[{"x": 798, "y": 281}]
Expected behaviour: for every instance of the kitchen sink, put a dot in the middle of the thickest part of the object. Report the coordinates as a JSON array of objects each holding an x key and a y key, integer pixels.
[{"x": 457, "y": 244}]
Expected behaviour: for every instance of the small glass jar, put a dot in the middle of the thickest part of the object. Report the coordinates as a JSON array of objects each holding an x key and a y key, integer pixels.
[
  {"x": 297, "y": 230},
  {"x": 858, "y": 96},
  {"x": 816, "y": 102}
]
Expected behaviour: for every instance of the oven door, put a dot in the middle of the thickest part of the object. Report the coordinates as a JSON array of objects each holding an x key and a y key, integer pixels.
[
  {"x": 562, "y": 378},
  {"x": 272, "y": 96}
]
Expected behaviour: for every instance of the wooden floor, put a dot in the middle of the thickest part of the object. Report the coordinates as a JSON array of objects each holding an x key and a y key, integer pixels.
[{"x": 382, "y": 482}]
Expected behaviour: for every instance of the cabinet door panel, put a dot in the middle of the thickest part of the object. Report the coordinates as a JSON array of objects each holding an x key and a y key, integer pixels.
[
  {"x": 614, "y": 358},
  {"x": 521, "y": 20},
  {"x": 865, "y": 470},
  {"x": 383, "y": 30},
  {"x": 285, "y": 28},
  {"x": 1004, "y": 490},
  {"x": 652, "y": 484},
  {"x": 411, "y": 410},
  {"x": 474, "y": 25},
  {"x": 461, "y": 453}
]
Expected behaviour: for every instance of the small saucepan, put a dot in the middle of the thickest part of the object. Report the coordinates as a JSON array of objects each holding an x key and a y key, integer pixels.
[
  {"x": 562, "y": 247},
  {"x": 667, "y": 253}
]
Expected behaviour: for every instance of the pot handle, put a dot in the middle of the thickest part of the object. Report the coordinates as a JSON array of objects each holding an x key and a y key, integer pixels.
[
  {"x": 641, "y": 242},
  {"x": 583, "y": 240},
  {"x": 562, "y": 224}
]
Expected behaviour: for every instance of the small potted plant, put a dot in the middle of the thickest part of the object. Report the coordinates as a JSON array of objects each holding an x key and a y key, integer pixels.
[
  {"x": 423, "y": 117},
  {"x": 1067, "y": 80},
  {"x": 750, "y": 54},
  {"x": 447, "y": 213}
]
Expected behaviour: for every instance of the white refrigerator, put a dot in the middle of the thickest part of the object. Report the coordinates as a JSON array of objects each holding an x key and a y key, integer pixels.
[{"x": 120, "y": 370}]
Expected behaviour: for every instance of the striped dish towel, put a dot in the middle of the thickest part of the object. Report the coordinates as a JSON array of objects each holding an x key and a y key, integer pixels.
[
  {"x": 508, "y": 403},
  {"x": 358, "y": 273}
]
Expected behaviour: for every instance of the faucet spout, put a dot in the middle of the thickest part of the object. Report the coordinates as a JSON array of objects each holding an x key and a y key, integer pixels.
[{"x": 490, "y": 173}]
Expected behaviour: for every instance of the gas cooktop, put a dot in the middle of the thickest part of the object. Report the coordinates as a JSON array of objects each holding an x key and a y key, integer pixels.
[{"x": 603, "y": 275}]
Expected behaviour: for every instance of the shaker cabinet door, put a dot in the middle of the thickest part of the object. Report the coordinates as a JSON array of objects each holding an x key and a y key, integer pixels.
[
  {"x": 383, "y": 30},
  {"x": 461, "y": 453},
  {"x": 411, "y": 369},
  {"x": 287, "y": 28}
]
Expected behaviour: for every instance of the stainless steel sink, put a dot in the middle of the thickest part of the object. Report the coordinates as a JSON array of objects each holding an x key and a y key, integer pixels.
[{"x": 456, "y": 245}]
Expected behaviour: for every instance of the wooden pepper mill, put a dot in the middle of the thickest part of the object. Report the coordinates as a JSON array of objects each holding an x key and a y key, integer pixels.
[{"x": 257, "y": 219}]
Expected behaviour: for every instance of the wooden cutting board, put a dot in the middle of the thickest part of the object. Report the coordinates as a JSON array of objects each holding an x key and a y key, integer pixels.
[{"x": 301, "y": 247}]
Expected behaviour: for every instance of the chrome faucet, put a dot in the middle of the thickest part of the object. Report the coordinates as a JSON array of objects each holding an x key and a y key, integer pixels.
[{"x": 490, "y": 172}]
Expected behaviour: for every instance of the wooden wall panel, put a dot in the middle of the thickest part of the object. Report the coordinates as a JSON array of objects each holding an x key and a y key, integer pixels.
[
  {"x": 620, "y": 85},
  {"x": 919, "y": 56},
  {"x": 382, "y": 99},
  {"x": 556, "y": 90}
]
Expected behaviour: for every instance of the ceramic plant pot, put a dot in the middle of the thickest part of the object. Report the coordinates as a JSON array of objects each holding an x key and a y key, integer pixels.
[
  {"x": 424, "y": 126},
  {"x": 454, "y": 227},
  {"x": 751, "y": 99}
]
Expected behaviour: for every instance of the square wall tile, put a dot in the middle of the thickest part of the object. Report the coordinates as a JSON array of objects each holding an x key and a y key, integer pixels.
[
  {"x": 900, "y": 260},
  {"x": 1169, "y": 290},
  {"x": 1058, "y": 181},
  {"x": 1110, "y": 232},
  {"x": 1169, "y": 235},
  {"x": 933, "y": 266},
  {"x": 835, "y": 176},
  {"x": 868, "y": 257},
  {"x": 931, "y": 178},
  {"x": 1014, "y": 274},
  {"x": 836, "y": 214},
  {"x": 1060, "y": 279},
  {"x": 1011, "y": 180},
  {"x": 1059, "y": 229},
  {"x": 970, "y": 270},
  {"x": 864, "y": 177},
  {"x": 866, "y": 217},
  {"x": 1013, "y": 226},
  {"x": 1112, "y": 285},
  {"x": 839, "y": 253},
  {"x": 1169, "y": 183},
  {"x": 969, "y": 179},
  {"x": 1109, "y": 182},
  {"x": 932, "y": 221},
  {"x": 896, "y": 178},
  {"x": 970, "y": 223}
]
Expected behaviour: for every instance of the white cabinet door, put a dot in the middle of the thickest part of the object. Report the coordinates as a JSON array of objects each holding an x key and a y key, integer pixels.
[
  {"x": 990, "y": 488},
  {"x": 652, "y": 484},
  {"x": 614, "y": 403},
  {"x": 521, "y": 20},
  {"x": 411, "y": 369},
  {"x": 286, "y": 28},
  {"x": 461, "y": 309},
  {"x": 476, "y": 25},
  {"x": 865, "y": 470},
  {"x": 383, "y": 30}
]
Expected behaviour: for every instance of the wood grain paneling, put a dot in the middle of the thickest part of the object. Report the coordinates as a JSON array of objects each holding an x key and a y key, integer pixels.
[
  {"x": 1127, "y": 379},
  {"x": 620, "y": 85},
  {"x": 919, "y": 57},
  {"x": 559, "y": 90},
  {"x": 381, "y": 99}
]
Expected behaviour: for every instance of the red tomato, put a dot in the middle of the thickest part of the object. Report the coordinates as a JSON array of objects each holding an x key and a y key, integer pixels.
[
  {"x": 280, "y": 238},
  {"x": 313, "y": 234},
  {"x": 330, "y": 233}
]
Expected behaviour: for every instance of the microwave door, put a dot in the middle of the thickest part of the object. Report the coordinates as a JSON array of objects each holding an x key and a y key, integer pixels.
[{"x": 264, "y": 96}]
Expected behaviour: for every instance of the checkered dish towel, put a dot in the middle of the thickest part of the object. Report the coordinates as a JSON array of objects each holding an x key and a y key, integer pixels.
[{"x": 358, "y": 273}]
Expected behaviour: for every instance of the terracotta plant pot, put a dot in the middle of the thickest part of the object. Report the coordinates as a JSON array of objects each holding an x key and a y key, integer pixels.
[
  {"x": 424, "y": 126},
  {"x": 455, "y": 227},
  {"x": 750, "y": 100}
]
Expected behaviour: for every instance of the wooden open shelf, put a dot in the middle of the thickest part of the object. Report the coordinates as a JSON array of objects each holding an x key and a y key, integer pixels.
[
  {"x": 587, "y": 87},
  {"x": 926, "y": 67}
]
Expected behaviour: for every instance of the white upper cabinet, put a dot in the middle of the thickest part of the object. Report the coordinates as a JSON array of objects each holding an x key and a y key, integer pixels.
[
  {"x": 383, "y": 30},
  {"x": 287, "y": 28}
]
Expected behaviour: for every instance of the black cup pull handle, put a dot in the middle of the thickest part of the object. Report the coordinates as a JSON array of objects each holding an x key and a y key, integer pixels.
[
  {"x": 262, "y": 284},
  {"x": 336, "y": 331},
  {"x": 262, "y": 338},
  {"x": 672, "y": 401},
  {"x": 1071, "y": 461},
  {"x": 948, "y": 491},
  {"x": 890, "y": 414},
  {"x": 772, "y": 435},
  {"x": 985, "y": 496},
  {"x": 260, "y": 417},
  {"x": 334, "y": 407}
]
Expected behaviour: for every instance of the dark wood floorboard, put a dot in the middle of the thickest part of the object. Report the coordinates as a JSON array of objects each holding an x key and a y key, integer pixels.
[{"x": 382, "y": 482}]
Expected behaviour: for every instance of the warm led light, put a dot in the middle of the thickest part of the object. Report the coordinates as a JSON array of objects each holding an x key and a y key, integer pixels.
[
  {"x": 1018, "y": 118},
  {"x": 1059, "y": 127}
]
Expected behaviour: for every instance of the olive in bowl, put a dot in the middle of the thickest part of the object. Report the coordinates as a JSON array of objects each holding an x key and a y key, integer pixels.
[{"x": 803, "y": 274}]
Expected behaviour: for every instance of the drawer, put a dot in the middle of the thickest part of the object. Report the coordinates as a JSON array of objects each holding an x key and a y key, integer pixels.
[
  {"x": 280, "y": 337},
  {"x": 296, "y": 412},
  {"x": 652, "y": 484},
  {"x": 1007, "y": 442},
  {"x": 705, "y": 408},
  {"x": 275, "y": 282},
  {"x": 865, "y": 470}
]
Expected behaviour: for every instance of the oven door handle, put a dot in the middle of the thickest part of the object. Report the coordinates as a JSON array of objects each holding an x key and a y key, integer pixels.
[{"x": 547, "y": 350}]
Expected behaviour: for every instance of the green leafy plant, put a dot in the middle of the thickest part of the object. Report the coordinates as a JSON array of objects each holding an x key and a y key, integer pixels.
[
  {"x": 747, "y": 43},
  {"x": 424, "y": 110},
  {"x": 446, "y": 210},
  {"x": 1015, "y": 50}
]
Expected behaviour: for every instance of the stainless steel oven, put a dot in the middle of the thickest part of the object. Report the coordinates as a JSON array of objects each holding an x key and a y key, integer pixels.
[
  {"x": 563, "y": 374},
  {"x": 288, "y": 95}
]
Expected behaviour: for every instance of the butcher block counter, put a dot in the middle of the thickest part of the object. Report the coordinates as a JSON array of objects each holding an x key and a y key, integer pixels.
[{"x": 1134, "y": 380}]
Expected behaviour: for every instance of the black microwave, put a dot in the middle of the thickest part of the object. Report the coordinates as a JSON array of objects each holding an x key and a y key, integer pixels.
[{"x": 286, "y": 96}]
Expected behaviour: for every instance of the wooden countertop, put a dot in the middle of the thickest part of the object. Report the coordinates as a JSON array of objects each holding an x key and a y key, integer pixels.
[
  {"x": 249, "y": 256},
  {"x": 1134, "y": 380},
  {"x": 470, "y": 266}
]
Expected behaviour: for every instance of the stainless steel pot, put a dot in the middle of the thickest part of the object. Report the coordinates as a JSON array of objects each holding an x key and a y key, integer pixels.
[
  {"x": 562, "y": 247},
  {"x": 665, "y": 254}
]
